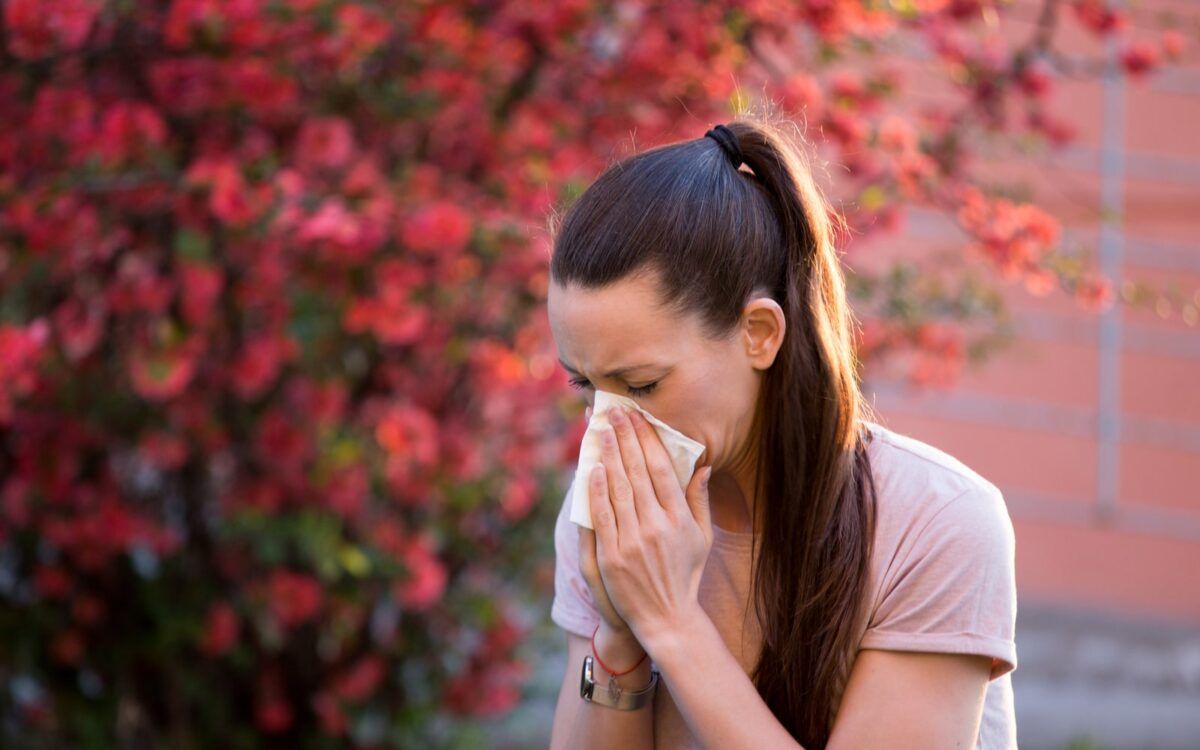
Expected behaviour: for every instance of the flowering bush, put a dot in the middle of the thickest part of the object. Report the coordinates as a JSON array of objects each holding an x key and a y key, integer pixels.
[{"x": 280, "y": 427}]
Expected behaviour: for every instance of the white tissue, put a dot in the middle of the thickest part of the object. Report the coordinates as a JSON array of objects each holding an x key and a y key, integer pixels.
[{"x": 684, "y": 451}]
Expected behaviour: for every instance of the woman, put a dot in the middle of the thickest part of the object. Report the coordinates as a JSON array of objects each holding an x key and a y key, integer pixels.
[{"x": 837, "y": 584}]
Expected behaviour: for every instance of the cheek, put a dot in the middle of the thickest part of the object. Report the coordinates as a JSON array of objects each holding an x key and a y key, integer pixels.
[{"x": 695, "y": 408}]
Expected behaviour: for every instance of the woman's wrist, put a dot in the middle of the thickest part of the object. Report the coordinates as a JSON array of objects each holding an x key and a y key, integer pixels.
[{"x": 621, "y": 650}]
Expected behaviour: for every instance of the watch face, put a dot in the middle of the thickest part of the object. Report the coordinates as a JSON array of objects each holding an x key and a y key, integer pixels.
[{"x": 586, "y": 681}]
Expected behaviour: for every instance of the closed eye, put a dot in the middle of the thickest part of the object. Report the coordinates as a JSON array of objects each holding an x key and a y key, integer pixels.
[{"x": 634, "y": 390}]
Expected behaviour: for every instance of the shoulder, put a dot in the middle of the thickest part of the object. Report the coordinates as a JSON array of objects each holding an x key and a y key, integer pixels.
[
  {"x": 900, "y": 457},
  {"x": 943, "y": 563},
  {"x": 919, "y": 486}
]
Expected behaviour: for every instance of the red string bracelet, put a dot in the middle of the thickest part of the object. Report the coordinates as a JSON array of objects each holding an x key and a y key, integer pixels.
[{"x": 602, "y": 664}]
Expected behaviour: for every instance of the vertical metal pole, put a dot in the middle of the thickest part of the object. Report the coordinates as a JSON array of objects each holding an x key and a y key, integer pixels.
[{"x": 1112, "y": 177}]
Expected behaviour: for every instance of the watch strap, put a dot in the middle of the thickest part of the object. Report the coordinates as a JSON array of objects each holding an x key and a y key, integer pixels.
[{"x": 612, "y": 694}]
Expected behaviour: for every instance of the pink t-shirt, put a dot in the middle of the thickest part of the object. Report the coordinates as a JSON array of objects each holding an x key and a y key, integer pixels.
[{"x": 942, "y": 578}]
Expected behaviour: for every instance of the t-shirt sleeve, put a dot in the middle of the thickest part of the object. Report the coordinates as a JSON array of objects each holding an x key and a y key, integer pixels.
[
  {"x": 573, "y": 608},
  {"x": 955, "y": 591}
]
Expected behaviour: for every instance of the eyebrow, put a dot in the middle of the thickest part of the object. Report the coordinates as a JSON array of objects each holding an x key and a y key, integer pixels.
[{"x": 612, "y": 373}]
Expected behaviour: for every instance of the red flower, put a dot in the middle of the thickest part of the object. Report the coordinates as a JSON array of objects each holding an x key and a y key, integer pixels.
[
  {"x": 37, "y": 28},
  {"x": 200, "y": 286},
  {"x": 485, "y": 689},
  {"x": 438, "y": 228},
  {"x": 67, "y": 647},
  {"x": 79, "y": 324},
  {"x": 519, "y": 495},
  {"x": 293, "y": 598},
  {"x": 1098, "y": 17},
  {"x": 231, "y": 200},
  {"x": 1173, "y": 44},
  {"x": 1034, "y": 78},
  {"x": 273, "y": 715},
  {"x": 426, "y": 575},
  {"x": 358, "y": 682},
  {"x": 329, "y": 713},
  {"x": 20, "y": 351},
  {"x": 88, "y": 610},
  {"x": 1094, "y": 292},
  {"x": 1139, "y": 58},
  {"x": 162, "y": 373},
  {"x": 128, "y": 130},
  {"x": 410, "y": 433},
  {"x": 220, "y": 629},
  {"x": 51, "y": 582},
  {"x": 347, "y": 491},
  {"x": 326, "y": 142},
  {"x": 283, "y": 444},
  {"x": 258, "y": 365},
  {"x": 65, "y": 116}
]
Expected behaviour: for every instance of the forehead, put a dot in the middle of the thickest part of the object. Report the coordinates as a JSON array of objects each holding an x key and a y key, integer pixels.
[{"x": 619, "y": 324}]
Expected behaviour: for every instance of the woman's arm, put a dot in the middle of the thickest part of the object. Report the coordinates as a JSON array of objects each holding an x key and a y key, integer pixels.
[
  {"x": 716, "y": 698},
  {"x": 900, "y": 700},
  {"x": 583, "y": 725}
]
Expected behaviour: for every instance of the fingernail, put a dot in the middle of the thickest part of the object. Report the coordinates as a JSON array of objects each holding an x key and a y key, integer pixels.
[
  {"x": 619, "y": 415},
  {"x": 707, "y": 476}
]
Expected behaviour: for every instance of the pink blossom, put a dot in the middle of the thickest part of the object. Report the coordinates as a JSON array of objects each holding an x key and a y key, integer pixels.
[
  {"x": 326, "y": 142},
  {"x": 293, "y": 598},
  {"x": 37, "y": 28},
  {"x": 438, "y": 228},
  {"x": 426, "y": 580}
]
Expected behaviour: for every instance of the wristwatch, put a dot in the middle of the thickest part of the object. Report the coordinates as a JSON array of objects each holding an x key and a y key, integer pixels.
[{"x": 614, "y": 696}]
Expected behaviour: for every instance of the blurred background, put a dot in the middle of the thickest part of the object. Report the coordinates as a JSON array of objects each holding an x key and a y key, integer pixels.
[{"x": 282, "y": 434}]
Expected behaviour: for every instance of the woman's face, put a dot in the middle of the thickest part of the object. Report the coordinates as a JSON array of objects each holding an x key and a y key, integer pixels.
[{"x": 705, "y": 389}]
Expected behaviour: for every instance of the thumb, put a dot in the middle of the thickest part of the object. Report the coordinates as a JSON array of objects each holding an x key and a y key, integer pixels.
[{"x": 697, "y": 499}]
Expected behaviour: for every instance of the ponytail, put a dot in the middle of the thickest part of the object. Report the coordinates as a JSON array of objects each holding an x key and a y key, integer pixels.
[{"x": 717, "y": 234}]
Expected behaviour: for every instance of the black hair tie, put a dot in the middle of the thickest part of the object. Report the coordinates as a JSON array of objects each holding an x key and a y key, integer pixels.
[{"x": 729, "y": 144}]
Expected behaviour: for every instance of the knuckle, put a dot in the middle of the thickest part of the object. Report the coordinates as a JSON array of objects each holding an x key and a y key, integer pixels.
[
  {"x": 654, "y": 531},
  {"x": 661, "y": 470},
  {"x": 619, "y": 563}
]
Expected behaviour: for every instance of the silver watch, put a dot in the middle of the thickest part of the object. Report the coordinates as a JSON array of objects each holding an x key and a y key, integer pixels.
[{"x": 615, "y": 696}]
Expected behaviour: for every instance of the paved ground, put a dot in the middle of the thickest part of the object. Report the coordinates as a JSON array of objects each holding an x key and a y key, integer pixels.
[
  {"x": 1119, "y": 681},
  {"x": 1085, "y": 681}
]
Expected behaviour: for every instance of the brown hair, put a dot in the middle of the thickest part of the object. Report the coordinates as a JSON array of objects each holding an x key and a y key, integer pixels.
[{"x": 715, "y": 234}]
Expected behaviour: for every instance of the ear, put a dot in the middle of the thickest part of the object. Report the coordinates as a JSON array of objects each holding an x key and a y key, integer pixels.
[{"x": 763, "y": 326}]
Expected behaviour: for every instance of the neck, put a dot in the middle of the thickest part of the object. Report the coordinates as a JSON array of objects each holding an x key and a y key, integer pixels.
[{"x": 731, "y": 492}]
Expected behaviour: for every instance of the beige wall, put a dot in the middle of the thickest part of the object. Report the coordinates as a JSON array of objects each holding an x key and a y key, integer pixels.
[{"x": 1091, "y": 423}]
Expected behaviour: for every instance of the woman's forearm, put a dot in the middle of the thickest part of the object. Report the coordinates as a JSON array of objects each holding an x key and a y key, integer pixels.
[
  {"x": 718, "y": 701},
  {"x": 599, "y": 726}
]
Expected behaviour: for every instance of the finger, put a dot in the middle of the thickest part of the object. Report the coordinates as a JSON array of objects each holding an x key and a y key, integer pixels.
[
  {"x": 659, "y": 466},
  {"x": 587, "y": 552},
  {"x": 620, "y": 492},
  {"x": 697, "y": 498},
  {"x": 634, "y": 460},
  {"x": 603, "y": 520},
  {"x": 587, "y": 413},
  {"x": 589, "y": 566},
  {"x": 587, "y": 544}
]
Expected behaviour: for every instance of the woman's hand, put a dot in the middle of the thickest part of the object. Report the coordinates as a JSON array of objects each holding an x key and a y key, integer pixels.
[
  {"x": 651, "y": 538},
  {"x": 590, "y": 570}
]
